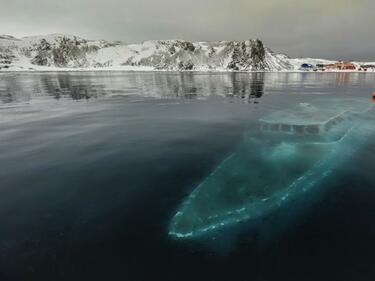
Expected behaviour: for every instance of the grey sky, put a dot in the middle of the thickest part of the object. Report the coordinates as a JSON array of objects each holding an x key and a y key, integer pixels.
[{"x": 317, "y": 28}]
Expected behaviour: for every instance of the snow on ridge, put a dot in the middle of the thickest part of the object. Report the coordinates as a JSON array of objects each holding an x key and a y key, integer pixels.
[
  {"x": 64, "y": 52},
  {"x": 49, "y": 37},
  {"x": 8, "y": 37}
]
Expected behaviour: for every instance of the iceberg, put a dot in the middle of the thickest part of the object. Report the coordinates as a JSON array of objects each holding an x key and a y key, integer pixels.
[{"x": 294, "y": 150}]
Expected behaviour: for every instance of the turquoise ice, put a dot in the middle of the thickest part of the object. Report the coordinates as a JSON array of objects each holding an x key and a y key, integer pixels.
[{"x": 293, "y": 152}]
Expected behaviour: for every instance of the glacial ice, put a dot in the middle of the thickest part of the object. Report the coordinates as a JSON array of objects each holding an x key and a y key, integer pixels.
[{"x": 270, "y": 168}]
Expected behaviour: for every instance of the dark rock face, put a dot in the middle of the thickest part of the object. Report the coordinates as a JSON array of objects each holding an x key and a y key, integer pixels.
[
  {"x": 64, "y": 52},
  {"x": 185, "y": 66},
  {"x": 43, "y": 52},
  {"x": 258, "y": 52},
  {"x": 248, "y": 55},
  {"x": 6, "y": 57}
]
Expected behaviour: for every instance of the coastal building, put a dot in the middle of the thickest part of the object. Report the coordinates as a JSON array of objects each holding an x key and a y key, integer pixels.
[
  {"x": 306, "y": 66},
  {"x": 341, "y": 65}
]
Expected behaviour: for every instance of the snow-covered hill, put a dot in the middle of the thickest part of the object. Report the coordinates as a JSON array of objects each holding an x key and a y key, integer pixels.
[{"x": 65, "y": 52}]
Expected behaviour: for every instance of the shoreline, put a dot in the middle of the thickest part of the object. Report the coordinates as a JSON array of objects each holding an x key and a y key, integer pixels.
[{"x": 62, "y": 70}]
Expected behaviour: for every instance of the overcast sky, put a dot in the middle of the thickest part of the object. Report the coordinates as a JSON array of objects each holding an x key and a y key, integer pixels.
[{"x": 318, "y": 28}]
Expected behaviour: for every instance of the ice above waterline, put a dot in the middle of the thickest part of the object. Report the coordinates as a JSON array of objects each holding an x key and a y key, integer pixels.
[{"x": 282, "y": 161}]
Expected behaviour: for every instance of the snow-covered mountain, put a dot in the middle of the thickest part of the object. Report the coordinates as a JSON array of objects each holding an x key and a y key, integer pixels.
[{"x": 60, "y": 51}]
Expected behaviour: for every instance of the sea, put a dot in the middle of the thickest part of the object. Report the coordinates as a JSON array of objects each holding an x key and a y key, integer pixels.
[{"x": 95, "y": 165}]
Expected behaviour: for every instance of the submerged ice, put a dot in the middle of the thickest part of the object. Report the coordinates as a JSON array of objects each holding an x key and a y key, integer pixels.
[{"x": 293, "y": 152}]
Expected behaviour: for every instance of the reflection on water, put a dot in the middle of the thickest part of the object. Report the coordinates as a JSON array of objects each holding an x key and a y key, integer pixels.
[
  {"x": 168, "y": 85},
  {"x": 247, "y": 90},
  {"x": 239, "y": 86}
]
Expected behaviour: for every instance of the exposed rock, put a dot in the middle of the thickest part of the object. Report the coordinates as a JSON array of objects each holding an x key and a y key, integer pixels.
[{"x": 67, "y": 51}]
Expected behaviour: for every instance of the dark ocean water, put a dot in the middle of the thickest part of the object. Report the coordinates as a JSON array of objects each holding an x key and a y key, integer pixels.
[{"x": 94, "y": 165}]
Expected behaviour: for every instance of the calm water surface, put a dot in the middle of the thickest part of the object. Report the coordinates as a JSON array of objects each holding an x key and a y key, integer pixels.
[{"x": 94, "y": 165}]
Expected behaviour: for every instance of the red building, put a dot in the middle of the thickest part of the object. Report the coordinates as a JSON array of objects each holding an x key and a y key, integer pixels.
[{"x": 342, "y": 65}]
